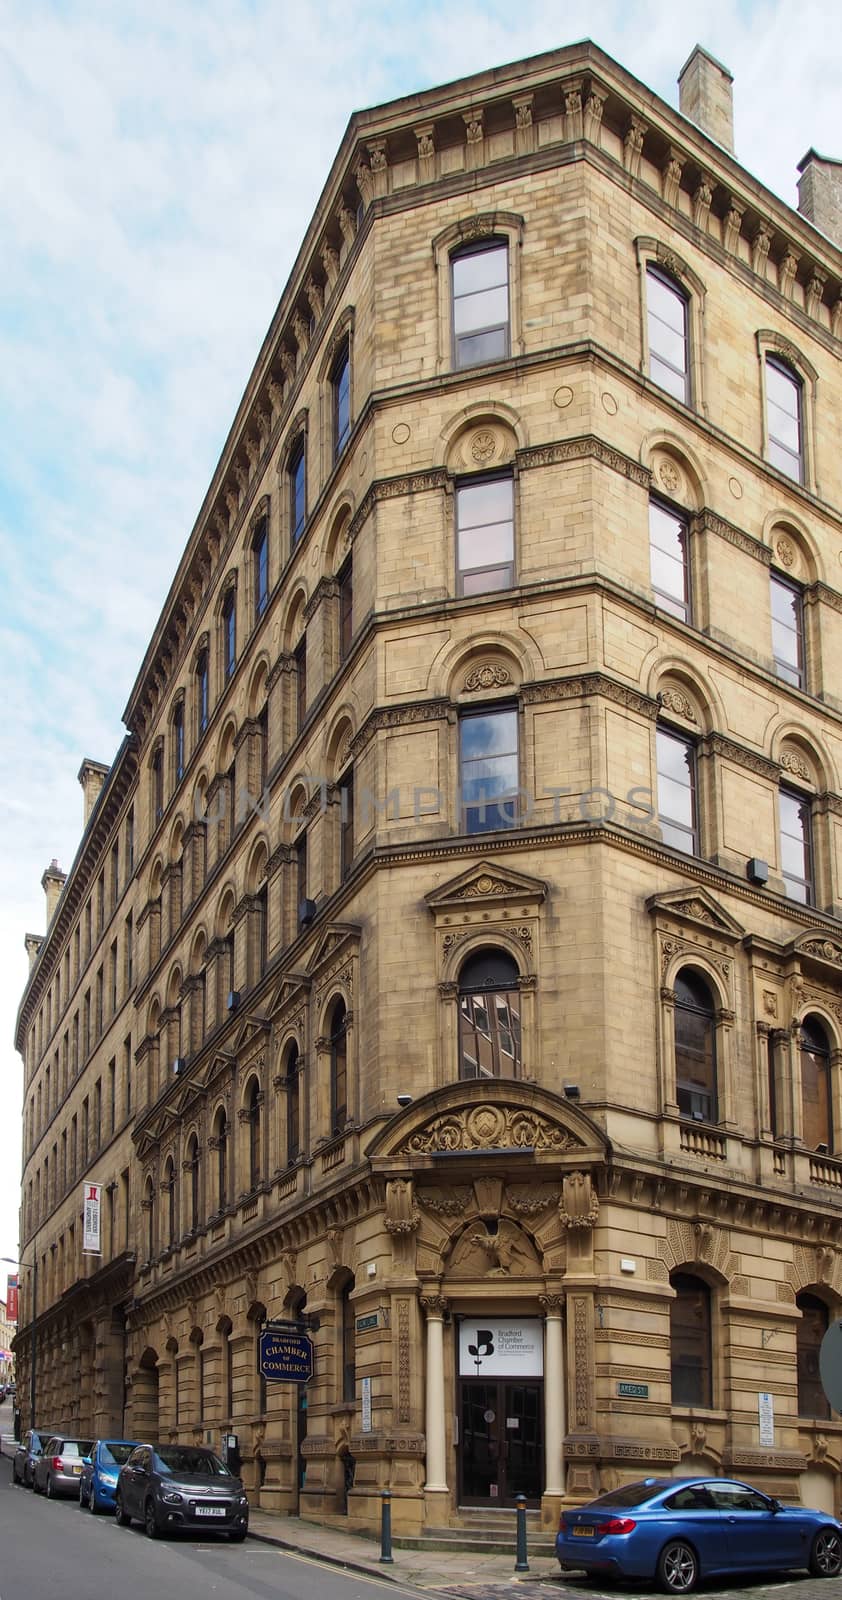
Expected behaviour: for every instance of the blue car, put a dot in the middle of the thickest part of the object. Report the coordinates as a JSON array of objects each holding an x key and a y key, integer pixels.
[
  {"x": 99, "y": 1473},
  {"x": 678, "y": 1530}
]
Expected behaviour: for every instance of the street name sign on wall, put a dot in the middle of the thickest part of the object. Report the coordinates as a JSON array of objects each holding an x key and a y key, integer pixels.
[{"x": 285, "y": 1357}]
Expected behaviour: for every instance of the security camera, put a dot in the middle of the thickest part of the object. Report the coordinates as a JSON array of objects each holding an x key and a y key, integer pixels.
[{"x": 404, "y": 1100}]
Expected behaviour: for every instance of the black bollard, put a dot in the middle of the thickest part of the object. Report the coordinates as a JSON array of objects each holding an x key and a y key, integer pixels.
[
  {"x": 386, "y": 1527},
  {"x": 521, "y": 1563}
]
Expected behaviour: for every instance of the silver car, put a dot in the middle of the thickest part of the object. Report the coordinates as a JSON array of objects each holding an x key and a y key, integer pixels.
[{"x": 58, "y": 1470}]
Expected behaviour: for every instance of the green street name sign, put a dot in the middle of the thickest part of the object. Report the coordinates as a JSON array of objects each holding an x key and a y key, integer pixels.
[{"x": 633, "y": 1391}]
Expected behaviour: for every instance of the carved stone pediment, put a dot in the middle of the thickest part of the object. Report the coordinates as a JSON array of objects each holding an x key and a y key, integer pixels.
[
  {"x": 490, "y": 1127},
  {"x": 487, "y": 884},
  {"x": 694, "y": 908},
  {"x": 820, "y": 948},
  {"x": 506, "y": 1252},
  {"x": 333, "y": 956}
]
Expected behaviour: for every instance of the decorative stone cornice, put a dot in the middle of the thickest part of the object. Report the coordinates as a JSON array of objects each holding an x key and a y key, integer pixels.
[
  {"x": 718, "y": 745},
  {"x": 393, "y": 489},
  {"x": 581, "y": 448},
  {"x": 588, "y": 685},
  {"x": 707, "y": 521},
  {"x": 326, "y": 589},
  {"x": 396, "y": 717}
]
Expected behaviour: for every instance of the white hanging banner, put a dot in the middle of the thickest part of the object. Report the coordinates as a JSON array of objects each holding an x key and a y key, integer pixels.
[{"x": 91, "y": 1233}]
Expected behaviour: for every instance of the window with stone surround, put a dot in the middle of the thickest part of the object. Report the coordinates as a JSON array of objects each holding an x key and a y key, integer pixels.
[
  {"x": 480, "y": 302},
  {"x": 229, "y": 633},
  {"x": 691, "y": 1369},
  {"x": 668, "y": 333},
  {"x": 340, "y": 383},
  {"x": 695, "y": 1048},
  {"x": 488, "y": 768},
  {"x": 787, "y": 607},
  {"x": 669, "y": 559},
  {"x": 677, "y": 804},
  {"x": 784, "y": 425},
  {"x": 489, "y": 1016},
  {"x": 292, "y": 1091},
  {"x": 816, "y": 1093},
  {"x": 796, "y": 844},
  {"x": 297, "y": 488},
  {"x": 809, "y": 1332},
  {"x": 338, "y": 1039},
  {"x": 485, "y": 534},
  {"x": 260, "y": 567}
]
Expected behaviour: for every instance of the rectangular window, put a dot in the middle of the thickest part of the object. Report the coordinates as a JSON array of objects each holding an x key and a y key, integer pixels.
[
  {"x": 783, "y": 420},
  {"x": 99, "y": 1002},
  {"x": 796, "y": 846},
  {"x": 130, "y": 842},
  {"x": 787, "y": 630},
  {"x": 100, "y": 903},
  {"x": 341, "y": 384},
  {"x": 115, "y": 873},
  {"x": 158, "y": 784},
  {"x": 129, "y": 952},
  {"x": 488, "y": 769},
  {"x": 301, "y": 870},
  {"x": 178, "y": 743},
  {"x": 480, "y": 283},
  {"x": 346, "y": 824},
  {"x": 301, "y": 682},
  {"x": 127, "y": 1068},
  {"x": 229, "y": 634},
  {"x": 677, "y": 791},
  {"x": 666, "y": 309},
  {"x": 113, "y": 976},
  {"x": 297, "y": 474},
  {"x": 260, "y": 557},
  {"x": 202, "y": 692},
  {"x": 112, "y": 1095},
  {"x": 668, "y": 560},
  {"x": 346, "y": 609},
  {"x": 485, "y": 535}
]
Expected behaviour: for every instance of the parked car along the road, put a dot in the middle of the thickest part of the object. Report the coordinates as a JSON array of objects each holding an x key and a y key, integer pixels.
[
  {"x": 679, "y": 1530},
  {"x": 99, "y": 1473},
  {"x": 26, "y": 1455},
  {"x": 171, "y": 1486},
  {"x": 59, "y": 1468}
]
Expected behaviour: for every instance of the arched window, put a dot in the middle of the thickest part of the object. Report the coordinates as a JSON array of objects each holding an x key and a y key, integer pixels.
[
  {"x": 169, "y": 1190},
  {"x": 489, "y": 1016},
  {"x": 784, "y": 423},
  {"x": 809, "y": 1332},
  {"x": 340, "y": 382},
  {"x": 229, "y": 634},
  {"x": 293, "y": 1105},
  {"x": 669, "y": 357},
  {"x": 348, "y": 1332},
  {"x": 254, "y": 1134},
  {"x": 817, "y": 1117},
  {"x": 193, "y": 1173},
  {"x": 260, "y": 560},
  {"x": 690, "y": 1341},
  {"x": 338, "y": 1067},
  {"x": 220, "y": 1144},
  {"x": 149, "y": 1208},
  {"x": 695, "y": 1048}
]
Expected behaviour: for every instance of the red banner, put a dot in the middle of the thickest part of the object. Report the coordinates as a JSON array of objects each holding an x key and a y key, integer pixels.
[{"x": 12, "y": 1297}]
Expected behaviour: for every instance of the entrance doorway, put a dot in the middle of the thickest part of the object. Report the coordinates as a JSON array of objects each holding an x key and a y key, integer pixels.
[{"x": 501, "y": 1441}]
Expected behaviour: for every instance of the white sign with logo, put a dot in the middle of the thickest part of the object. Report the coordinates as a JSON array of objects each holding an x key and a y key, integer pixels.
[
  {"x": 365, "y": 1386},
  {"x": 766, "y": 1418},
  {"x": 91, "y": 1219},
  {"x": 500, "y": 1347}
]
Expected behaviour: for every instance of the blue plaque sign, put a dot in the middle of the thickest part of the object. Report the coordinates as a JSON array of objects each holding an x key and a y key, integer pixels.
[{"x": 285, "y": 1357}]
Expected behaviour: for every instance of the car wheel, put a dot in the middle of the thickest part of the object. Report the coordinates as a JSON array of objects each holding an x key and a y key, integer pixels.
[
  {"x": 49, "y": 1488},
  {"x": 826, "y": 1554},
  {"x": 83, "y": 1503},
  {"x": 678, "y": 1569},
  {"x": 120, "y": 1516},
  {"x": 150, "y": 1521},
  {"x": 93, "y": 1503},
  {"x": 237, "y": 1535}
]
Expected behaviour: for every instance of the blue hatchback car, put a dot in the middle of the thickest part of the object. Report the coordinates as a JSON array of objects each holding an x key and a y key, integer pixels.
[
  {"x": 99, "y": 1473},
  {"x": 678, "y": 1530}
]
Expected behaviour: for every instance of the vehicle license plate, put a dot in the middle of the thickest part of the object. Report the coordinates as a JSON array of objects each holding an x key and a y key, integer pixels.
[
  {"x": 77, "y": 1471},
  {"x": 210, "y": 1511},
  {"x": 582, "y": 1533}
]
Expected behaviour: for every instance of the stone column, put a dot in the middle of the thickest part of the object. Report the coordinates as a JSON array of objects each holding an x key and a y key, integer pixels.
[
  {"x": 434, "y": 1308},
  {"x": 553, "y": 1395}
]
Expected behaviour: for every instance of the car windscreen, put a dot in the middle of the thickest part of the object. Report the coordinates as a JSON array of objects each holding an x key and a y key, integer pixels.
[
  {"x": 172, "y": 1461},
  {"x": 633, "y": 1494},
  {"x": 113, "y": 1455}
]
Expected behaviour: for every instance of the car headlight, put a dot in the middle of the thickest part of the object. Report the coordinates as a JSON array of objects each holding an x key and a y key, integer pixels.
[
  {"x": 242, "y": 1500},
  {"x": 108, "y": 1480},
  {"x": 171, "y": 1497}
]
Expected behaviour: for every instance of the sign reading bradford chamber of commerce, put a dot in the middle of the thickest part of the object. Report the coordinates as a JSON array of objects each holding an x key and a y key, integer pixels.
[
  {"x": 285, "y": 1357},
  {"x": 91, "y": 1219},
  {"x": 492, "y": 1347}
]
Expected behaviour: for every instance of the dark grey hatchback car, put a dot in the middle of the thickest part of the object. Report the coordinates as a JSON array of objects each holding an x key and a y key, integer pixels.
[{"x": 169, "y": 1487}]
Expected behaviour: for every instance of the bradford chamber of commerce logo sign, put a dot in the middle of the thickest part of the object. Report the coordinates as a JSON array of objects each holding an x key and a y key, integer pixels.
[
  {"x": 498, "y": 1347},
  {"x": 285, "y": 1356}
]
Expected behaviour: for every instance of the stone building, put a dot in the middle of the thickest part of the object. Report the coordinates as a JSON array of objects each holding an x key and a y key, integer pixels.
[{"x": 452, "y": 961}]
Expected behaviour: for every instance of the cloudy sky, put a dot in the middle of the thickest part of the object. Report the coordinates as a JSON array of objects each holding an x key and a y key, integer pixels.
[{"x": 160, "y": 164}]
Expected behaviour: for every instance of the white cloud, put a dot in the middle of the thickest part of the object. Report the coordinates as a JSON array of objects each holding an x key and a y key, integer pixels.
[{"x": 161, "y": 165}]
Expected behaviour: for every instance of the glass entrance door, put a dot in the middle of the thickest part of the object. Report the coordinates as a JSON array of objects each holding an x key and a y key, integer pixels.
[{"x": 501, "y": 1449}]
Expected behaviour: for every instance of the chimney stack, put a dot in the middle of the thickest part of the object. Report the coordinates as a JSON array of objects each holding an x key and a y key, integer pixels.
[
  {"x": 92, "y": 775},
  {"x": 705, "y": 95},
  {"x": 33, "y": 943},
  {"x": 820, "y": 193},
  {"x": 52, "y": 884}
]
